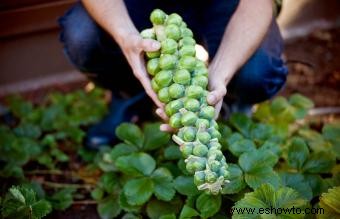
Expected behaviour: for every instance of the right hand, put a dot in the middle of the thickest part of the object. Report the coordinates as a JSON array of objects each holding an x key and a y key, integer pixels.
[{"x": 133, "y": 47}]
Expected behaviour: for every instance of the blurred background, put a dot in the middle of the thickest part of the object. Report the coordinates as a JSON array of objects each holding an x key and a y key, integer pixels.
[{"x": 31, "y": 56}]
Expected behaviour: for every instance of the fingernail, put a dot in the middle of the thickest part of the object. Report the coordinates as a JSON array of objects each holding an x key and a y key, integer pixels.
[
  {"x": 155, "y": 45},
  {"x": 211, "y": 98}
]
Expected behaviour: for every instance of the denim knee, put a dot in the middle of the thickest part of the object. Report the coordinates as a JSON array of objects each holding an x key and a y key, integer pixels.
[
  {"x": 80, "y": 36},
  {"x": 259, "y": 79}
]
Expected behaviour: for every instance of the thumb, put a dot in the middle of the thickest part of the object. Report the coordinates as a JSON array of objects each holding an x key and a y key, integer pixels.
[
  {"x": 149, "y": 45},
  {"x": 216, "y": 95}
]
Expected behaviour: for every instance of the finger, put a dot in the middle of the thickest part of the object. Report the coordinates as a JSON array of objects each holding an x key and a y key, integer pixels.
[
  {"x": 216, "y": 95},
  {"x": 149, "y": 45},
  {"x": 160, "y": 112},
  {"x": 218, "y": 107},
  {"x": 166, "y": 128}
]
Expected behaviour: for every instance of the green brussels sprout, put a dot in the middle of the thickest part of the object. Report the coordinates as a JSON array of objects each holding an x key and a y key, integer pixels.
[
  {"x": 188, "y": 41},
  {"x": 202, "y": 123},
  {"x": 167, "y": 61},
  {"x": 163, "y": 78},
  {"x": 215, "y": 144},
  {"x": 187, "y": 50},
  {"x": 186, "y": 32},
  {"x": 172, "y": 31},
  {"x": 207, "y": 112},
  {"x": 157, "y": 17},
  {"x": 168, "y": 46},
  {"x": 187, "y": 62},
  {"x": 213, "y": 124},
  {"x": 200, "y": 150},
  {"x": 154, "y": 85},
  {"x": 194, "y": 91},
  {"x": 175, "y": 121},
  {"x": 199, "y": 177},
  {"x": 173, "y": 107},
  {"x": 201, "y": 81},
  {"x": 214, "y": 133},
  {"x": 200, "y": 71},
  {"x": 148, "y": 33},
  {"x": 182, "y": 76},
  {"x": 200, "y": 64},
  {"x": 174, "y": 19},
  {"x": 199, "y": 164},
  {"x": 152, "y": 66},
  {"x": 203, "y": 137},
  {"x": 210, "y": 176},
  {"x": 215, "y": 153},
  {"x": 192, "y": 104},
  {"x": 191, "y": 167},
  {"x": 186, "y": 149},
  {"x": 223, "y": 172},
  {"x": 189, "y": 118},
  {"x": 214, "y": 165},
  {"x": 189, "y": 134},
  {"x": 163, "y": 95},
  {"x": 154, "y": 54},
  {"x": 176, "y": 90}
]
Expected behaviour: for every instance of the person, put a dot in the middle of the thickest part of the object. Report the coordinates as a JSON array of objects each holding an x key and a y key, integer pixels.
[{"x": 242, "y": 38}]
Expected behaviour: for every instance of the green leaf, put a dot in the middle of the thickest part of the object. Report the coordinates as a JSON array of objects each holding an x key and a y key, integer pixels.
[
  {"x": 40, "y": 209},
  {"x": 208, "y": 205},
  {"x": 296, "y": 181},
  {"x": 260, "y": 176},
  {"x": 185, "y": 185},
  {"x": 109, "y": 208},
  {"x": 241, "y": 123},
  {"x": 267, "y": 197},
  {"x": 239, "y": 147},
  {"x": 17, "y": 195},
  {"x": 168, "y": 216},
  {"x": 28, "y": 130},
  {"x": 130, "y": 216},
  {"x": 109, "y": 182},
  {"x": 271, "y": 147},
  {"x": 226, "y": 133},
  {"x": 330, "y": 203},
  {"x": 319, "y": 162},
  {"x": 331, "y": 133},
  {"x": 297, "y": 153},
  {"x": 136, "y": 164},
  {"x": 62, "y": 199},
  {"x": 156, "y": 208},
  {"x": 97, "y": 193},
  {"x": 126, "y": 206},
  {"x": 188, "y": 212},
  {"x": 138, "y": 191},
  {"x": 172, "y": 152},
  {"x": 316, "y": 183},
  {"x": 154, "y": 137},
  {"x": 130, "y": 133},
  {"x": 164, "y": 189},
  {"x": 257, "y": 159},
  {"x": 260, "y": 132},
  {"x": 236, "y": 179},
  {"x": 122, "y": 149},
  {"x": 299, "y": 101}
]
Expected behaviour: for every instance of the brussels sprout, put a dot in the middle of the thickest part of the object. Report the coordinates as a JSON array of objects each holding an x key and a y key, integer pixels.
[
  {"x": 200, "y": 150},
  {"x": 213, "y": 124},
  {"x": 157, "y": 16},
  {"x": 214, "y": 165},
  {"x": 176, "y": 91},
  {"x": 215, "y": 144},
  {"x": 187, "y": 62},
  {"x": 194, "y": 91},
  {"x": 192, "y": 104},
  {"x": 189, "y": 118},
  {"x": 182, "y": 76},
  {"x": 172, "y": 31},
  {"x": 214, "y": 133},
  {"x": 202, "y": 123},
  {"x": 207, "y": 112},
  {"x": 167, "y": 61},
  {"x": 183, "y": 24},
  {"x": 152, "y": 66},
  {"x": 190, "y": 166},
  {"x": 186, "y": 32},
  {"x": 154, "y": 85},
  {"x": 163, "y": 78},
  {"x": 174, "y": 19},
  {"x": 168, "y": 46},
  {"x": 188, "y": 41},
  {"x": 189, "y": 134},
  {"x": 173, "y": 107},
  {"x": 163, "y": 95},
  {"x": 215, "y": 153},
  {"x": 223, "y": 172},
  {"x": 175, "y": 120},
  {"x": 201, "y": 81},
  {"x": 200, "y": 64},
  {"x": 187, "y": 50},
  {"x": 200, "y": 71},
  {"x": 186, "y": 149},
  {"x": 152, "y": 55},
  {"x": 210, "y": 176},
  {"x": 199, "y": 177},
  {"x": 199, "y": 164},
  {"x": 148, "y": 33},
  {"x": 203, "y": 137}
]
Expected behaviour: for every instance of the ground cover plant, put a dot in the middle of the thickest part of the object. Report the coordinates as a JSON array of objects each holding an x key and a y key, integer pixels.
[{"x": 275, "y": 160}]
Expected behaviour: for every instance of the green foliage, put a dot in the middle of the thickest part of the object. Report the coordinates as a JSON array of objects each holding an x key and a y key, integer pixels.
[{"x": 330, "y": 202}]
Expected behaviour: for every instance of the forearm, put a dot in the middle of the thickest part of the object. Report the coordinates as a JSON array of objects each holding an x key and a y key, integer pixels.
[
  {"x": 244, "y": 33},
  {"x": 112, "y": 16}
]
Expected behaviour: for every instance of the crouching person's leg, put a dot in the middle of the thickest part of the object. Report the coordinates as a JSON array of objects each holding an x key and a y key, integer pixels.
[
  {"x": 91, "y": 50},
  {"x": 262, "y": 76}
]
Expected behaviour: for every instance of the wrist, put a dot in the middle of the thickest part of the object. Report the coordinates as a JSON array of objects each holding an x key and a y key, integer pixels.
[
  {"x": 221, "y": 72},
  {"x": 121, "y": 35}
]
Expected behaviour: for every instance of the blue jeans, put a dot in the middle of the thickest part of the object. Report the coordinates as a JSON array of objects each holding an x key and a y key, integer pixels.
[{"x": 90, "y": 49}]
